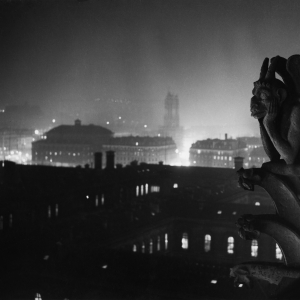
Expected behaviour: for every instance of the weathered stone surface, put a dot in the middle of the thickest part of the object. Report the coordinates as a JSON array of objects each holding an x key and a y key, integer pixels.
[{"x": 276, "y": 106}]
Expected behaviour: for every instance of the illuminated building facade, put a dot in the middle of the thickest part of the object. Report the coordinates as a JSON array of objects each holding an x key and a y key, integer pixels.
[
  {"x": 216, "y": 152},
  {"x": 15, "y": 144},
  {"x": 251, "y": 142},
  {"x": 257, "y": 157},
  {"x": 70, "y": 145},
  {"x": 142, "y": 149}
]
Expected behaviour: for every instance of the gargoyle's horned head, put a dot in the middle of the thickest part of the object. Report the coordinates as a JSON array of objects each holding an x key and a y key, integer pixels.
[{"x": 266, "y": 89}]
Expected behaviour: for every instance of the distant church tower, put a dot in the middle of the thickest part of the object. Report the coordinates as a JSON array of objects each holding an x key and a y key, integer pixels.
[
  {"x": 171, "y": 119},
  {"x": 171, "y": 125}
]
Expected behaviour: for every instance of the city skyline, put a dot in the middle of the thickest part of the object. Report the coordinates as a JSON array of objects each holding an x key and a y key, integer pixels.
[{"x": 65, "y": 55}]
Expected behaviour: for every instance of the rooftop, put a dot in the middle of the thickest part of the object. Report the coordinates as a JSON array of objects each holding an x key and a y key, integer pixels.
[
  {"x": 79, "y": 130},
  {"x": 141, "y": 141},
  {"x": 227, "y": 144}
]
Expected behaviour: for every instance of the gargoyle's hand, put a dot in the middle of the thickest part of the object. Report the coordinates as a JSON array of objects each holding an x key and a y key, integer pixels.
[{"x": 272, "y": 111}]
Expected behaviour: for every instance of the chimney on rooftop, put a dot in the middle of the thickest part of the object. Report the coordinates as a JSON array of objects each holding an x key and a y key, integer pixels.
[
  {"x": 226, "y": 136},
  {"x": 238, "y": 162},
  {"x": 98, "y": 160},
  {"x": 110, "y": 160}
]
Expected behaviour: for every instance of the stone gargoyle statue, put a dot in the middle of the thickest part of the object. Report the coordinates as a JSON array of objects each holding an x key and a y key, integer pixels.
[{"x": 276, "y": 106}]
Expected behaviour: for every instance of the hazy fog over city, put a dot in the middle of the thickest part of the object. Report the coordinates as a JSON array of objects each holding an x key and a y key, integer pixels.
[
  {"x": 130, "y": 165},
  {"x": 70, "y": 57}
]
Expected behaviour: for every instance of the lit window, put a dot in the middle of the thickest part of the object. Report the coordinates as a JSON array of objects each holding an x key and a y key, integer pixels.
[
  {"x": 230, "y": 158},
  {"x": 215, "y": 157},
  {"x": 102, "y": 200},
  {"x": 146, "y": 188},
  {"x": 134, "y": 248},
  {"x": 254, "y": 248},
  {"x": 185, "y": 241},
  {"x": 143, "y": 248},
  {"x": 199, "y": 151},
  {"x": 214, "y": 281},
  {"x": 257, "y": 203},
  {"x": 166, "y": 241},
  {"x": 38, "y": 296},
  {"x": 175, "y": 186},
  {"x": 234, "y": 213},
  {"x": 230, "y": 245},
  {"x": 158, "y": 243},
  {"x": 137, "y": 191},
  {"x": 155, "y": 189},
  {"x": 49, "y": 211},
  {"x": 278, "y": 253},
  {"x": 142, "y": 190},
  {"x": 96, "y": 201},
  {"x": 207, "y": 243},
  {"x": 151, "y": 246},
  {"x": 219, "y": 212},
  {"x": 56, "y": 210}
]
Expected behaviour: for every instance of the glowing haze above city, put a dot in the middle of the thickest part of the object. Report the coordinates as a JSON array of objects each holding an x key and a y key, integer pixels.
[{"x": 66, "y": 55}]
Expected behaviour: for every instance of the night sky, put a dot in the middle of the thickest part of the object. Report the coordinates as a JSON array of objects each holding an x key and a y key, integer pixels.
[{"x": 63, "y": 55}]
